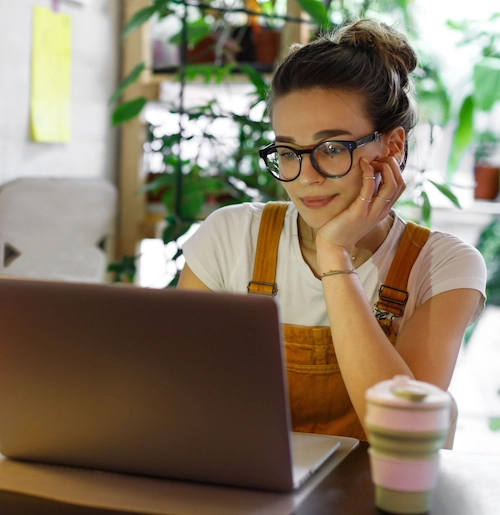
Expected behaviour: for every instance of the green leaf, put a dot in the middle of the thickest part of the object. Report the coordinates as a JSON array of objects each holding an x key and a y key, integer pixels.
[
  {"x": 316, "y": 10},
  {"x": 494, "y": 424},
  {"x": 161, "y": 181},
  {"x": 174, "y": 229},
  {"x": 445, "y": 190},
  {"x": 489, "y": 246},
  {"x": 193, "y": 198},
  {"x": 129, "y": 79},
  {"x": 209, "y": 72},
  {"x": 457, "y": 25},
  {"x": 175, "y": 280},
  {"x": 177, "y": 255},
  {"x": 463, "y": 135},
  {"x": 124, "y": 269},
  {"x": 196, "y": 31},
  {"x": 426, "y": 209},
  {"x": 257, "y": 80},
  {"x": 433, "y": 96},
  {"x": 487, "y": 83},
  {"x": 139, "y": 18},
  {"x": 127, "y": 111},
  {"x": 162, "y": 8}
]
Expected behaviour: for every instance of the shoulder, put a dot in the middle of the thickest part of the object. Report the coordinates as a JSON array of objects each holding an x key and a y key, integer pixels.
[
  {"x": 247, "y": 212},
  {"x": 231, "y": 218},
  {"x": 221, "y": 251},
  {"x": 448, "y": 263},
  {"x": 448, "y": 249},
  {"x": 442, "y": 247},
  {"x": 241, "y": 217},
  {"x": 445, "y": 263}
]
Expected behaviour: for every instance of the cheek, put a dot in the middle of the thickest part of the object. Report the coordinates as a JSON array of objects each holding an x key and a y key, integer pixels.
[
  {"x": 287, "y": 186},
  {"x": 354, "y": 179}
]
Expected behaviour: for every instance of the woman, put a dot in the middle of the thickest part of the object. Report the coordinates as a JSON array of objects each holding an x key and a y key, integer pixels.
[{"x": 341, "y": 111}]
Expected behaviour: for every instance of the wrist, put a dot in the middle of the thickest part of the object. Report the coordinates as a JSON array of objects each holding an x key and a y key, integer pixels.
[
  {"x": 333, "y": 257},
  {"x": 331, "y": 273}
]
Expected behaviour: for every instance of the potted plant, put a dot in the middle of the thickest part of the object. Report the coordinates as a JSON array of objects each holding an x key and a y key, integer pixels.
[
  {"x": 188, "y": 186},
  {"x": 483, "y": 90},
  {"x": 486, "y": 170}
]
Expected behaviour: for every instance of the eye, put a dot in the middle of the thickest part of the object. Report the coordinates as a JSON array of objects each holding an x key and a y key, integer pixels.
[
  {"x": 332, "y": 149},
  {"x": 286, "y": 154}
]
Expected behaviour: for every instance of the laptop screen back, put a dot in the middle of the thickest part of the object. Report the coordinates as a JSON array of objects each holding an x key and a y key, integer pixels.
[{"x": 169, "y": 383}]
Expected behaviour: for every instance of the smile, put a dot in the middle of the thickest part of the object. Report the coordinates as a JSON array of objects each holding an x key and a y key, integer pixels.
[{"x": 317, "y": 202}]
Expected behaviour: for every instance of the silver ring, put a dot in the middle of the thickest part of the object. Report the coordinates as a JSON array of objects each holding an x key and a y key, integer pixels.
[
  {"x": 384, "y": 199},
  {"x": 364, "y": 199},
  {"x": 367, "y": 177}
]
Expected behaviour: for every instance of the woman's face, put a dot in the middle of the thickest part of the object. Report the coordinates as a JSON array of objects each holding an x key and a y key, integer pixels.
[{"x": 305, "y": 118}]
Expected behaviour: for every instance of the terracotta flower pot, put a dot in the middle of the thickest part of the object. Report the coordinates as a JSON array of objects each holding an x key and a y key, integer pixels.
[
  {"x": 267, "y": 45},
  {"x": 487, "y": 181},
  {"x": 203, "y": 51}
]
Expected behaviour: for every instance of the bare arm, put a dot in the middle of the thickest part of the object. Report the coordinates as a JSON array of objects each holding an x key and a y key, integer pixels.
[
  {"x": 189, "y": 281},
  {"x": 427, "y": 347},
  {"x": 431, "y": 339}
]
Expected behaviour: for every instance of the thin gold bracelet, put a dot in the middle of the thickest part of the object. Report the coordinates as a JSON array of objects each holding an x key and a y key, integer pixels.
[{"x": 338, "y": 272}]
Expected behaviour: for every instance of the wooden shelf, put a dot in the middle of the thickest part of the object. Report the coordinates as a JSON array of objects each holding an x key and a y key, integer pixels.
[{"x": 134, "y": 221}]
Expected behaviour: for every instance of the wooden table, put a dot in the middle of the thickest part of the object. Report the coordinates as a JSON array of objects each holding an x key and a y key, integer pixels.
[{"x": 469, "y": 484}]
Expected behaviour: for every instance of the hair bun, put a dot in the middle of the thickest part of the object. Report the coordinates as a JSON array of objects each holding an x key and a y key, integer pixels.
[
  {"x": 359, "y": 39},
  {"x": 389, "y": 44}
]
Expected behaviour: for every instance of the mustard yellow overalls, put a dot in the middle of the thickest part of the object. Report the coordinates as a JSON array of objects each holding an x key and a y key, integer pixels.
[{"x": 319, "y": 402}]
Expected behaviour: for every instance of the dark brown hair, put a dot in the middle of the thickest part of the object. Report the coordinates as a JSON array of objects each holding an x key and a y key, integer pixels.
[{"x": 365, "y": 57}]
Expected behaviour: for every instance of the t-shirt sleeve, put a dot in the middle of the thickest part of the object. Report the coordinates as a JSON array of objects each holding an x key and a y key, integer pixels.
[
  {"x": 452, "y": 264},
  {"x": 219, "y": 245}
]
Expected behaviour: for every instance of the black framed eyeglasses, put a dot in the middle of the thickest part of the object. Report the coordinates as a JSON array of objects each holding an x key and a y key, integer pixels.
[{"x": 332, "y": 159}]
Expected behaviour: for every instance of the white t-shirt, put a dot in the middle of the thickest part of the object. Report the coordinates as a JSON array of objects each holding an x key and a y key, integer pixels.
[{"x": 221, "y": 254}]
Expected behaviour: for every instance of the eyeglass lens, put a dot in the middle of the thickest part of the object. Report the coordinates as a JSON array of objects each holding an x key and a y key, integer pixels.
[{"x": 332, "y": 158}]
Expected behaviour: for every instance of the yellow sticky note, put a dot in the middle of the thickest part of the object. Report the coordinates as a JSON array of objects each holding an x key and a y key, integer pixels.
[{"x": 51, "y": 77}]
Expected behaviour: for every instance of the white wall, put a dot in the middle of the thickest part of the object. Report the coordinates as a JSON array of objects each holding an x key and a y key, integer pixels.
[{"x": 95, "y": 61}]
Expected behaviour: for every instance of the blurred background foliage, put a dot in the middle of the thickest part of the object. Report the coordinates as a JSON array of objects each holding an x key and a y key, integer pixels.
[{"x": 190, "y": 187}]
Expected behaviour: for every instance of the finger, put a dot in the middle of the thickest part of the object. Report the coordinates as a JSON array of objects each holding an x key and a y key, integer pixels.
[
  {"x": 392, "y": 183},
  {"x": 386, "y": 200},
  {"x": 387, "y": 173},
  {"x": 400, "y": 184},
  {"x": 370, "y": 179},
  {"x": 368, "y": 193},
  {"x": 391, "y": 186},
  {"x": 390, "y": 170}
]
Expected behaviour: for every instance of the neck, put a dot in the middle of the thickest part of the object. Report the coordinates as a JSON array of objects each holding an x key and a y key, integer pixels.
[{"x": 363, "y": 249}]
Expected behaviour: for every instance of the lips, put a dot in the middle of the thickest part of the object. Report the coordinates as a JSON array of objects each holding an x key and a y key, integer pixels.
[{"x": 317, "y": 202}]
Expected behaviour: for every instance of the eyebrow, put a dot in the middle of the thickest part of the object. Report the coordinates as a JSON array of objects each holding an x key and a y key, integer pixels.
[{"x": 328, "y": 133}]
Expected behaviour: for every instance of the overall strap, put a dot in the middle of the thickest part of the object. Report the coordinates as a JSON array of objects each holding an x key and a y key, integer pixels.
[
  {"x": 266, "y": 255},
  {"x": 393, "y": 295}
]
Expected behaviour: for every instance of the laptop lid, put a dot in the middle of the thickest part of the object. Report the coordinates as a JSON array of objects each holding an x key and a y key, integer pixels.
[{"x": 169, "y": 383}]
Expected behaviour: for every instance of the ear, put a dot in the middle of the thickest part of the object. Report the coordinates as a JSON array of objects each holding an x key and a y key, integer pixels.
[{"x": 394, "y": 141}]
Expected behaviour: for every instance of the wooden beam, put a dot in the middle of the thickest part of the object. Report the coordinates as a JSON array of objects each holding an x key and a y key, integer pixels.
[
  {"x": 135, "y": 48},
  {"x": 293, "y": 32}
]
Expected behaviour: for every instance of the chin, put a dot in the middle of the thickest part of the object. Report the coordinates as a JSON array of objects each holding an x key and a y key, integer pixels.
[
  {"x": 317, "y": 217},
  {"x": 316, "y": 220}
]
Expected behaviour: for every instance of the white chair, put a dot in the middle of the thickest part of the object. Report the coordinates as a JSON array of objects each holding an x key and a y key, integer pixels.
[{"x": 56, "y": 228}]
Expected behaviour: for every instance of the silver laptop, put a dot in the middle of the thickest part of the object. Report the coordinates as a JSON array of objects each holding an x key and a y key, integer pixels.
[{"x": 166, "y": 383}]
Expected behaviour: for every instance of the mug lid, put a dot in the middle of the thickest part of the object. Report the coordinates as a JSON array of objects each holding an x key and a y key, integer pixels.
[{"x": 403, "y": 391}]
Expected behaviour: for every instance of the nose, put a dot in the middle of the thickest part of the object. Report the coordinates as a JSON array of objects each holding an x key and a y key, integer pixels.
[{"x": 309, "y": 174}]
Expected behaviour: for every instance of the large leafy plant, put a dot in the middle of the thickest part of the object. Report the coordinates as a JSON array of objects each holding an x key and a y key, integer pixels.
[
  {"x": 189, "y": 184},
  {"x": 483, "y": 91},
  {"x": 489, "y": 246}
]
